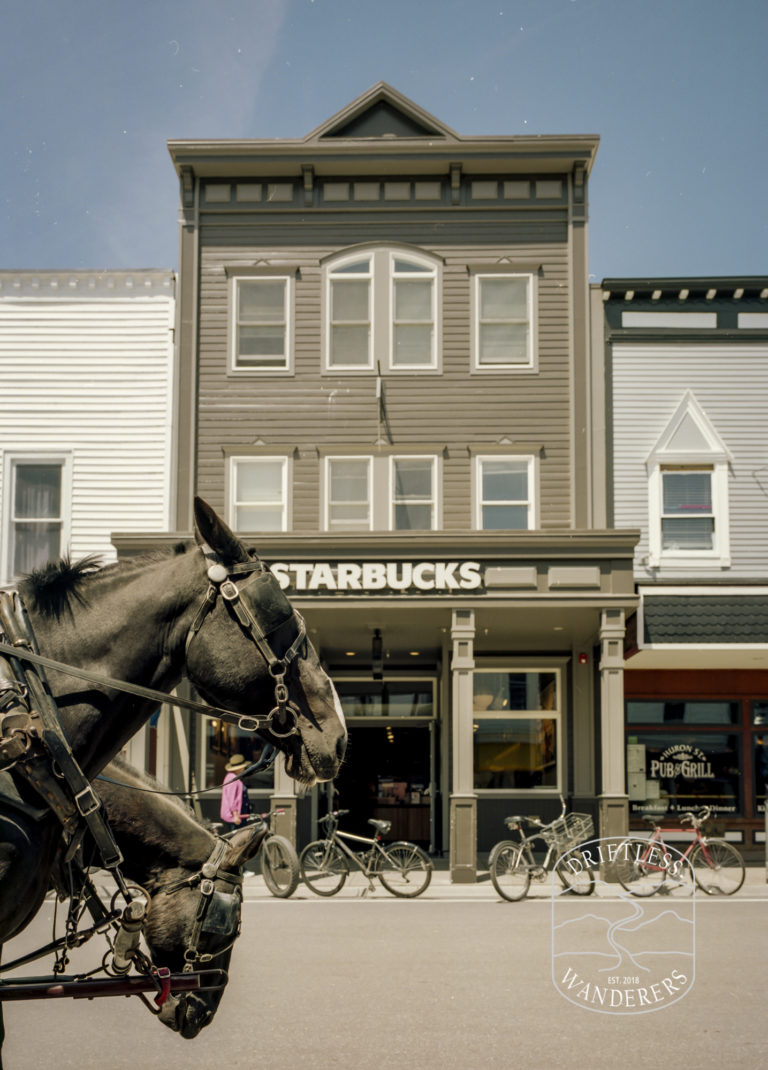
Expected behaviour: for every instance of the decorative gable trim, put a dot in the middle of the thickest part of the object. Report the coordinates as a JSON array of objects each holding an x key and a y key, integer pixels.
[
  {"x": 381, "y": 112},
  {"x": 689, "y": 438}
]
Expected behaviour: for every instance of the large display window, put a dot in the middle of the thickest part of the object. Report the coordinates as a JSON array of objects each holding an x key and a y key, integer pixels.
[
  {"x": 671, "y": 772},
  {"x": 516, "y": 729},
  {"x": 697, "y": 739}
]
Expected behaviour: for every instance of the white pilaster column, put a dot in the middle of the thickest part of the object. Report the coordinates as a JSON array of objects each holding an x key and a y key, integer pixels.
[
  {"x": 284, "y": 798},
  {"x": 463, "y": 843},
  {"x": 614, "y": 802}
]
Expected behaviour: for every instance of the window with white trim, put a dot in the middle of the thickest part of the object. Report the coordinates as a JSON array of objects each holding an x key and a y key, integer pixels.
[
  {"x": 262, "y": 323},
  {"x": 348, "y": 494},
  {"x": 37, "y": 513},
  {"x": 412, "y": 493},
  {"x": 688, "y": 525},
  {"x": 503, "y": 324},
  {"x": 381, "y": 312},
  {"x": 396, "y": 493},
  {"x": 517, "y": 729},
  {"x": 687, "y": 509},
  {"x": 505, "y": 493},
  {"x": 259, "y": 493}
]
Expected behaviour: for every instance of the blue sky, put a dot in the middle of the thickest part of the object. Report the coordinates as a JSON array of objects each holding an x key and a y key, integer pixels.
[{"x": 676, "y": 89}]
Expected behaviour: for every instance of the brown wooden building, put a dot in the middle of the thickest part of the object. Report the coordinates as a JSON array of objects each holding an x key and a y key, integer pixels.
[{"x": 386, "y": 383}]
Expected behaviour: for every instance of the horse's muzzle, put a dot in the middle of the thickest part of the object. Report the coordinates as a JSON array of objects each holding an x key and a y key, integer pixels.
[{"x": 185, "y": 1015}]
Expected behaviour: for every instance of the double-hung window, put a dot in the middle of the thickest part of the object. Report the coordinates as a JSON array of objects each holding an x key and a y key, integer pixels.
[
  {"x": 505, "y": 493},
  {"x": 37, "y": 513},
  {"x": 348, "y": 494},
  {"x": 503, "y": 322},
  {"x": 262, "y": 313},
  {"x": 688, "y": 493},
  {"x": 259, "y": 493},
  {"x": 395, "y": 493},
  {"x": 412, "y": 493},
  {"x": 381, "y": 312},
  {"x": 687, "y": 510}
]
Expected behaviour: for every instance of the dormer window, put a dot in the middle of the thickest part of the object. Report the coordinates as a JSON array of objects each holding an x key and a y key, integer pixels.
[{"x": 688, "y": 493}]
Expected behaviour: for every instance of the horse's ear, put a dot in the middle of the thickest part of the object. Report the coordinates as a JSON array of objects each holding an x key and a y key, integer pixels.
[
  {"x": 211, "y": 529},
  {"x": 244, "y": 843}
]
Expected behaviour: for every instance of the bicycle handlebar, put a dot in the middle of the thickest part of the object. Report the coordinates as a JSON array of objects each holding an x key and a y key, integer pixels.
[
  {"x": 686, "y": 818},
  {"x": 334, "y": 815}
]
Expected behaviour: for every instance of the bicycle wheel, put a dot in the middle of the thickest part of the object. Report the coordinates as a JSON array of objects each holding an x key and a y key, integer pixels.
[
  {"x": 404, "y": 870},
  {"x": 280, "y": 866},
  {"x": 510, "y": 873},
  {"x": 718, "y": 867},
  {"x": 636, "y": 867},
  {"x": 323, "y": 867},
  {"x": 576, "y": 879}
]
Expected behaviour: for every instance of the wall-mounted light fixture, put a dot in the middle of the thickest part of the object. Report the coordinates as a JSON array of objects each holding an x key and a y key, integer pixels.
[{"x": 377, "y": 655}]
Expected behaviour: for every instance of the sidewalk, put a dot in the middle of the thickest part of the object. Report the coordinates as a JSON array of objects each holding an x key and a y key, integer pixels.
[{"x": 441, "y": 889}]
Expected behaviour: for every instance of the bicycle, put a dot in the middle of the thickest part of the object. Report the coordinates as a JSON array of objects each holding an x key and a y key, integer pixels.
[
  {"x": 643, "y": 865},
  {"x": 512, "y": 864},
  {"x": 402, "y": 868},
  {"x": 279, "y": 860}
]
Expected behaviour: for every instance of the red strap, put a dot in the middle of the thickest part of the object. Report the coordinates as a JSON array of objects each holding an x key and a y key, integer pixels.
[{"x": 163, "y": 974}]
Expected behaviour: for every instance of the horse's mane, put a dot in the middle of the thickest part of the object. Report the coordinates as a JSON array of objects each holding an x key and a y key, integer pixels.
[{"x": 54, "y": 589}]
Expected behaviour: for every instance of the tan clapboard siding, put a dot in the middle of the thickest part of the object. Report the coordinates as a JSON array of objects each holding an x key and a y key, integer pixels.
[
  {"x": 453, "y": 409},
  {"x": 729, "y": 382},
  {"x": 92, "y": 380}
]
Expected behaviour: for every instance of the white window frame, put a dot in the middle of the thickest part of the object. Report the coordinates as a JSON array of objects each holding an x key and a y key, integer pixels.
[
  {"x": 12, "y": 462},
  {"x": 718, "y": 555},
  {"x": 531, "y": 364},
  {"x": 510, "y": 665},
  {"x": 236, "y": 367},
  {"x": 434, "y": 498},
  {"x": 689, "y": 441},
  {"x": 326, "y": 492},
  {"x": 532, "y": 463},
  {"x": 234, "y": 504},
  {"x": 382, "y": 278}
]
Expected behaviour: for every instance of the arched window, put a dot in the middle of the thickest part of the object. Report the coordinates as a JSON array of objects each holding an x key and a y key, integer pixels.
[{"x": 381, "y": 311}]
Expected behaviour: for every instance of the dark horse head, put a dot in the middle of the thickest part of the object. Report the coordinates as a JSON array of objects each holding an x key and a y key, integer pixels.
[
  {"x": 171, "y": 855},
  {"x": 228, "y": 666},
  {"x": 215, "y": 614}
]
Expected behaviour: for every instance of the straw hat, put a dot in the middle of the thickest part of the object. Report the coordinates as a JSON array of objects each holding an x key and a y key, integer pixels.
[{"x": 237, "y": 761}]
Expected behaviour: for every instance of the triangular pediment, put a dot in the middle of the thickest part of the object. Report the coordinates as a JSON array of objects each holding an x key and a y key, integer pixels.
[
  {"x": 384, "y": 113},
  {"x": 690, "y": 436}
]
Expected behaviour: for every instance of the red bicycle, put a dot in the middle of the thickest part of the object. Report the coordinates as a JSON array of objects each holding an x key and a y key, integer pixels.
[{"x": 642, "y": 866}]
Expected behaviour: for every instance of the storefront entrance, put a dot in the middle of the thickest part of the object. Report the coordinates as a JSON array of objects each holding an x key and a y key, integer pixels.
[{"x": 391, "y": 764}]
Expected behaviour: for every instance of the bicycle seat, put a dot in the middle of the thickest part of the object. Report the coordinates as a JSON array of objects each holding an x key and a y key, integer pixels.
[
  {"x": 652, "y": 819},
  {"x": 514, "y": 822},
  {"x": 380, "y": 826}
]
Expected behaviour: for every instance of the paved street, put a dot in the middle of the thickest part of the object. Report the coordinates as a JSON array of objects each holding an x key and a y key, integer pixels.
[{"x": 456, "y": 980}]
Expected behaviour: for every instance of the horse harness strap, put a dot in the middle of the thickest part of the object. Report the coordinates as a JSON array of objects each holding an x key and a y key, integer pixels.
[
  {"x": 33, "y": 741},
  {"x": 216, "y": 910}
]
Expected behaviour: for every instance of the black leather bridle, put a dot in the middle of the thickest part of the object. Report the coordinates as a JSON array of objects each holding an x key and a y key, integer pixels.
[
  {"x": 284, "y": 716},
  {"x": 218, "y": 910}
]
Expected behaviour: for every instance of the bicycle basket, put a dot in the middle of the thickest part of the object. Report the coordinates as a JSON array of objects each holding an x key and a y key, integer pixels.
[{"x": 567, "y": 831}]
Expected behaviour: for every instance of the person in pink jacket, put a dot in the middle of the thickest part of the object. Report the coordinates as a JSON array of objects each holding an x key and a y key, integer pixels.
[{"x": 235, "y": 805}]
